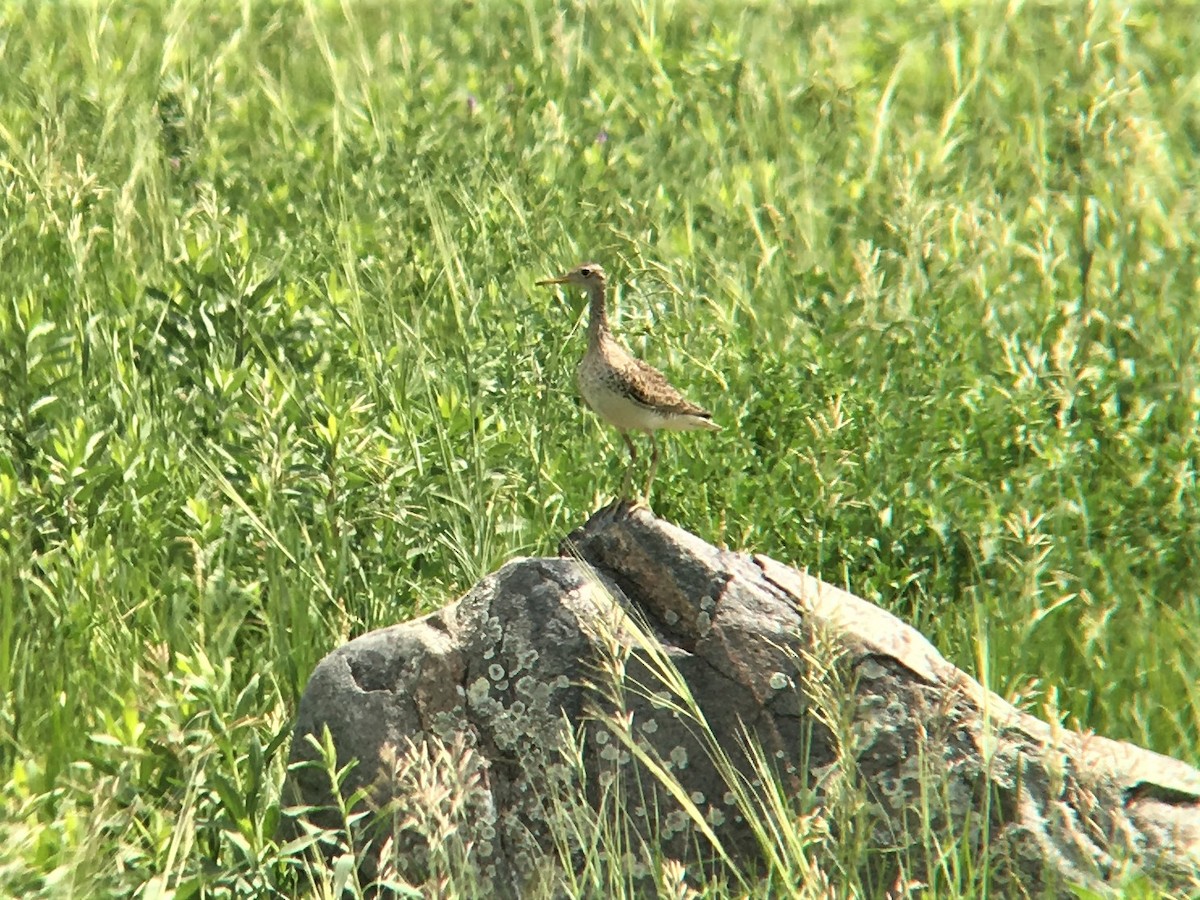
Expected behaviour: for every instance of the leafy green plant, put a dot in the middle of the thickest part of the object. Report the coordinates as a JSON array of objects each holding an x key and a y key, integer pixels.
[{"x": 272, "y": 371}]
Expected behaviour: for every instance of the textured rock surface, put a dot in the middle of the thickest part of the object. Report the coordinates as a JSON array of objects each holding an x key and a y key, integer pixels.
[{"x": 847, "y": 701}]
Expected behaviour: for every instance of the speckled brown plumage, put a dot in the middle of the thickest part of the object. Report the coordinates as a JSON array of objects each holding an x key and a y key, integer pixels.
[{"x": 624, "y": 391}]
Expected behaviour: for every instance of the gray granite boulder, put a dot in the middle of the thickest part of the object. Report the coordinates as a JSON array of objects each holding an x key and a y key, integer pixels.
[{"x": 459, "y": 728}]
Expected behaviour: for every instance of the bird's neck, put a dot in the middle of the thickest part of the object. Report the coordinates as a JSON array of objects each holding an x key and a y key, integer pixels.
[{"x": 597, "y": 315}]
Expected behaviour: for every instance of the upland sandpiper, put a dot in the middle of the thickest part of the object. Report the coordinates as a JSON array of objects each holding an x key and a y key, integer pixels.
[{"x": 621, "y": 389}]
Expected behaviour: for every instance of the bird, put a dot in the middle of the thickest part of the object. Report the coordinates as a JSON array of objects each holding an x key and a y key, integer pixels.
[{"x": 621, "y": 389}]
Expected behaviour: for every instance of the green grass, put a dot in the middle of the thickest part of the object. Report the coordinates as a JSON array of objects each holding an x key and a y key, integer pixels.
[{"x": 273, "y": 371}]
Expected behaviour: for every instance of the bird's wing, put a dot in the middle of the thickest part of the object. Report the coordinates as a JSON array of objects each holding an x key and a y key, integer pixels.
[{"x": 651, "y": 388}]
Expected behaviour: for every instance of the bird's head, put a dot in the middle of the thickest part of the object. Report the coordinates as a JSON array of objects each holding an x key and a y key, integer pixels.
[{"x": 585, "y": 275}]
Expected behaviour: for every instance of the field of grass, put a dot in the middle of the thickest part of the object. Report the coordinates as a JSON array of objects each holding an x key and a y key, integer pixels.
[{"x": 273, "y": 370}]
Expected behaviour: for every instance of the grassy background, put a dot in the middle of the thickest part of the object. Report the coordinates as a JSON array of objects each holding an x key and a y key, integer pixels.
[{"x": 273, "y": 371}]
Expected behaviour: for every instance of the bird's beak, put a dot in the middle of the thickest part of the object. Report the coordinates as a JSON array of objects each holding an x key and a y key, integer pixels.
[{"x": 546, "y": 281}]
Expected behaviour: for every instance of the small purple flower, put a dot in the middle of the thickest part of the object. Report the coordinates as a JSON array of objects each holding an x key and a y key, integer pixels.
[
  {"x": 472, "y": 103},
  {"x": 602, "y": 137}
]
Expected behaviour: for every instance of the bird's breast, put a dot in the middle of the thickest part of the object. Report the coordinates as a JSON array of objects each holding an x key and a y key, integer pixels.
[{"x": 603, "y": 391}]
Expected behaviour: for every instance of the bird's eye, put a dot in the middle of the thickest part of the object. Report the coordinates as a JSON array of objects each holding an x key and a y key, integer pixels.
[{"x": 585, "y": 272}]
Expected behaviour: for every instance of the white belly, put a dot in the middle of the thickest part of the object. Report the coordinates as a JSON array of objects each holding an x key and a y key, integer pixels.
[{"x": 619, "y": 411}]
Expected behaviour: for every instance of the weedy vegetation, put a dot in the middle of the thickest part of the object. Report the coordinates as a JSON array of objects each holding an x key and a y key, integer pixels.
[{"x": 273, "y": 372}]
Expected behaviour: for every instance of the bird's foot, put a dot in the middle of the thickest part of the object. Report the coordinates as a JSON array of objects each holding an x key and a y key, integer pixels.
[
  {"x": 639, "y": 503},
  {"x": 625, "y": 506}
]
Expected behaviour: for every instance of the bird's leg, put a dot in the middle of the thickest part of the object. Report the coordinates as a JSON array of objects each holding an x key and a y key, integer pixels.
[
  {"x": 653, "y": 464},
  {"x": 625, "y": 484}
]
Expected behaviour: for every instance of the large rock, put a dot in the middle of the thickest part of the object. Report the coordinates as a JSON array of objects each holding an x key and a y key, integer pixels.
[{"x": 458, "y": 722}]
